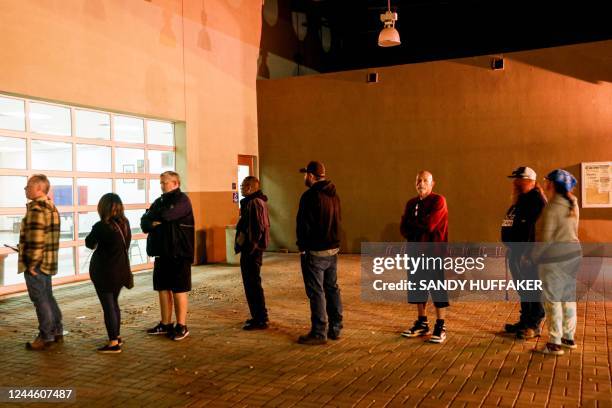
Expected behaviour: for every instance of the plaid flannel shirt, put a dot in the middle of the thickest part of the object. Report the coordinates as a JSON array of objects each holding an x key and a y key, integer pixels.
[{"x": 39, "y": 237}]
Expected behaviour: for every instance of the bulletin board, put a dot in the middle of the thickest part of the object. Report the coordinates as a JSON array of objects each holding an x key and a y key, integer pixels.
[{"x": 597, "y": 184}]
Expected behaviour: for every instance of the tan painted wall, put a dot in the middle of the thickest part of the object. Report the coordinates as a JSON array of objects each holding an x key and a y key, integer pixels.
[
  {"x": 193, "y": 61},
  {"x": 466, "y": 123}
]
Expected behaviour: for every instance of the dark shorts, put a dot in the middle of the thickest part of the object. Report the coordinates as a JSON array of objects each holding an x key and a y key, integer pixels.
[
  {"x": 172, "y": 274},
  {"x": 420, "y": 296}
]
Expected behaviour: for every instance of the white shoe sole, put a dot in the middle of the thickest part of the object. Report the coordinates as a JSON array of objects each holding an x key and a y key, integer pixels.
[{"x": 180, "y": 338}]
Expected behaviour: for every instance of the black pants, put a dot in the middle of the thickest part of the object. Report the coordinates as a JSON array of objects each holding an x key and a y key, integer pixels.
[
  {"x": 112, "y": 313},
  {"x": 532, "y": 310},
  {"x": 250, "y": 267}
]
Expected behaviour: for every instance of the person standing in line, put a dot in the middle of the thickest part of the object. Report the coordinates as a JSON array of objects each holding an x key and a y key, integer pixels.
[
  {"x": 518, "y": 227},
  {"x": 109, "y": 267},
  {"x": 170, "y": 225},
  {"x": 558, "y": 254},
  {"x": 38, "y": 256},
  {"x": 252, "y": 237},
  {"x": 318, "y": 239},
  {"x": 425, "y": 219}
]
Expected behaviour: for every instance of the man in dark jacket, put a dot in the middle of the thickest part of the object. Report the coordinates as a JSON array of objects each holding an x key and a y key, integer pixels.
[
  {"x": 517, "y": 228},
  {"x": 252, "y": 237},
  {"x": 425, "y": 219},
  {"x": 318, "y": 225},
  {"x": 170, "y": 225}
]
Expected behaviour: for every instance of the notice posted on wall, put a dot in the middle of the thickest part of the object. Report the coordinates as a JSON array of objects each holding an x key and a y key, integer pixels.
[{"x": 596, "y": 184}]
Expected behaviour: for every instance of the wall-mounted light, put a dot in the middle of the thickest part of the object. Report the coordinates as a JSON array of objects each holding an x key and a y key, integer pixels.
[{"x": 389, "y": 36}]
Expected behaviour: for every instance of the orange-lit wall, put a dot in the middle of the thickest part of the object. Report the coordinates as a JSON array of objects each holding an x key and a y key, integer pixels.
[
  {"x": 191, "y": 61},
  {"x": 466, "y": 123}
]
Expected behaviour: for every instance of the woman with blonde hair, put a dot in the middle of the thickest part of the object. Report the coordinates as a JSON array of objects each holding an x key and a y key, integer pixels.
[
  {"x": 558, "y": 254},
  {"x": 110, "y": 265}
]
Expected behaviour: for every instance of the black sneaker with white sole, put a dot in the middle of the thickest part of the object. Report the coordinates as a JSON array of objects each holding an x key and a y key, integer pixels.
[
  {"x": 161, "y": 329},
  {"x": 420, "y": 328},
  {"x": 108, "y": 349},
  {"x": 439, "y": 333},
  {"x": 180, "y": 332}
]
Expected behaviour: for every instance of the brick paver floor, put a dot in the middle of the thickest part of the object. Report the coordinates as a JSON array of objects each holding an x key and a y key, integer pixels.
[{"x": 221, "y": 365}]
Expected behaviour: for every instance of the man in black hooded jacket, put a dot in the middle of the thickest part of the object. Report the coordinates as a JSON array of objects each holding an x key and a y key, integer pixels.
[
  {"x": 318, "y": 228},
  {"x": 252, "y": 237}
]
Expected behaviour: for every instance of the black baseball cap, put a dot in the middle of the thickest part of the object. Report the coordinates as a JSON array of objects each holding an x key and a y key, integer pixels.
[{"x": 314, "y": 167}]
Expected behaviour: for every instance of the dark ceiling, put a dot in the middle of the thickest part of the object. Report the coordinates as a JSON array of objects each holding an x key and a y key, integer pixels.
[{"x": 429, "y": 29}]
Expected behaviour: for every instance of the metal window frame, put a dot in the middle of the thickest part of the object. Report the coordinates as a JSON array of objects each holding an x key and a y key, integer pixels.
[{"x": 74, "y": 175}]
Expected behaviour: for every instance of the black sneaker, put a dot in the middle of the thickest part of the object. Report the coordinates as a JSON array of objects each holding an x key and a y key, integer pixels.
[
  {"x": 160, "y": 329},
  {"x": 312, "y": 339},
  {"x": 420, "y": 328},
  {"x": 255, "y": 325},
  {"x": 513, "y": 328},
  {"x": 249, "y": 321},
  {"x": 108, "y": 349},
  {"x": 180, "y": 332},
  {"x": 333, "y": 332},
  {"x": 439, "y": 334}
]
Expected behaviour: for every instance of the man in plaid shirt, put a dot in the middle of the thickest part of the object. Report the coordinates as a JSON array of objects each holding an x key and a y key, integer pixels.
[{"x": 38, "y": 252}]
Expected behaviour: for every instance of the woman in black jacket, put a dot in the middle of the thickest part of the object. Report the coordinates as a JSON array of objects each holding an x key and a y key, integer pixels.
[{"x": 110, "y": 265}]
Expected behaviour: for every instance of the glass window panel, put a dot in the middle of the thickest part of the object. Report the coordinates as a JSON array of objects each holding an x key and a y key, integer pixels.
[
  {"x": 160, "y": 161},
  {"x": 12, "y": 114},
  {"x": 129, "y": 129},
  {"x": 243, "y": 172},
  {"x": 90, "y": 190},
  {"x": 154, "y": 190},
  {"x": 160, "y": 133},
  {"x": 61, "y": 191},
  {"x": 86, "y": 222},
  {"x": 12, "y": 191},
  {"x": 84, "y": 259},
  {"x": 93, "y": 158},
  {"x": 65, "y": 264},
  {"x": 9, "y": 229},
  {"x": 9, "y": 265},
  {"x": 131, "y": 191},
  {"x": 133, "y": 217},
  {"x": 66, "y": 226},
  {"x": 138, "y": 252},
  {"x": 51, "y": 155},
  {"x": 12, "y": 153},
  {"x": 93, "y": 125},
  {"x": 49, "y": 119},
  {"x": 129, "y": 160}
]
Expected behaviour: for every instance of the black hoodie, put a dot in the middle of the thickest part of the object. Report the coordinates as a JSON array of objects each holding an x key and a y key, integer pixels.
[
  {"x": 318, "y": 218},
  {"x": 254, "y": 223}
]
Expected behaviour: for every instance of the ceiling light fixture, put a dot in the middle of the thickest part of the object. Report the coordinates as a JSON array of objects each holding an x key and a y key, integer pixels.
[{"x": 389, "y": 36}]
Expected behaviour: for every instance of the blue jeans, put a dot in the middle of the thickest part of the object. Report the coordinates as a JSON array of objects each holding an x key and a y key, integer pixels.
[
  {"x": 47, "y": 311},
  {"x": 320, "y": 275}
]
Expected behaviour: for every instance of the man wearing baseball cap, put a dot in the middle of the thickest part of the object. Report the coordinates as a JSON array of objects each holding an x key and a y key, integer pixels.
[
  {"x": 518, "y": 227},
  {"x": 318, "y": 239}
]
